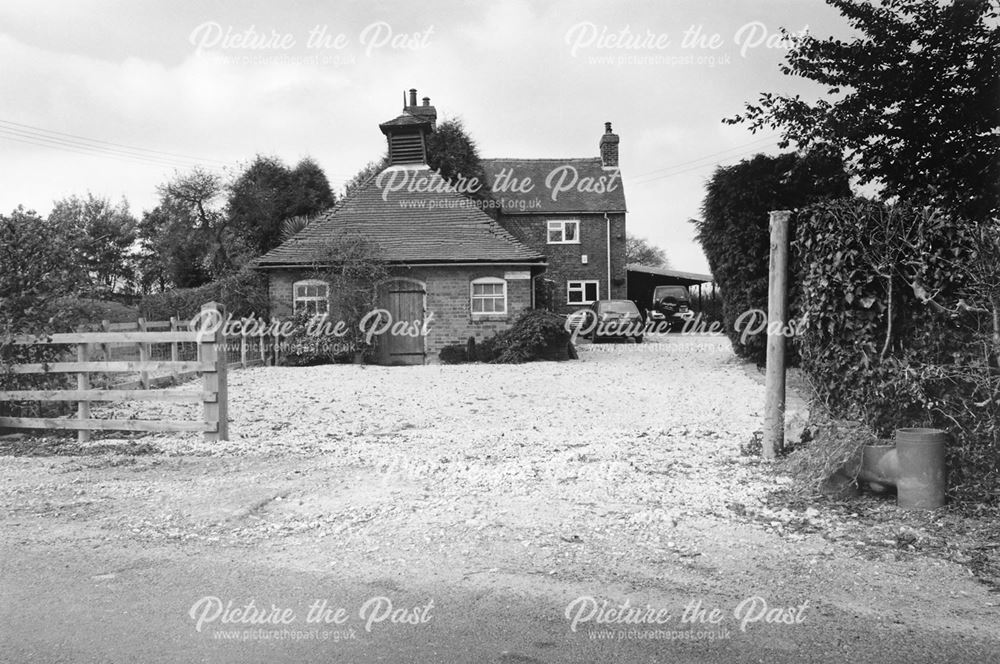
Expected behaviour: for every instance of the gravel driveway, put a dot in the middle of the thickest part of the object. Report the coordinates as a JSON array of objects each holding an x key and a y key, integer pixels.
[{"x": 616, "y": 475}]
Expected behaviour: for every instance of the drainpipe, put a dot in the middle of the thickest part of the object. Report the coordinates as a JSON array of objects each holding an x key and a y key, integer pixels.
[
  {"x": 915, "y": 466},
  {"x": 608, "y": 225}
]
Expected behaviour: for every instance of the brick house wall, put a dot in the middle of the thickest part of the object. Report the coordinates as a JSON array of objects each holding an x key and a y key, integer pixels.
[
  {"x": 566, "y": 260},
  {"x": 448, "y": 301}
]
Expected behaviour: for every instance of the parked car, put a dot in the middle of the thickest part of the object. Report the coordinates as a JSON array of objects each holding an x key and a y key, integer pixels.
[
  {"x": 671, "y": 305},
  {"x": 614, "y": 319}
]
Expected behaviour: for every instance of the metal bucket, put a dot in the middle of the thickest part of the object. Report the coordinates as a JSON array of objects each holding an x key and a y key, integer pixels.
[{"x": 921, "y": 482}]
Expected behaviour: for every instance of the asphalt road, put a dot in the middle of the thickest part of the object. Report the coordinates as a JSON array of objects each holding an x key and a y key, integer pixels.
[{"x": 157, "y": 605}]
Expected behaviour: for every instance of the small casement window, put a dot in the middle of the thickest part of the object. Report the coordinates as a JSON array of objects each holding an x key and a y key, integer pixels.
[
  {"x": 311, "y": 296},
  {"x": 489, "y": 296},
  {"x": 582, "y": 292},
  {"x": 564, "y": 231}
]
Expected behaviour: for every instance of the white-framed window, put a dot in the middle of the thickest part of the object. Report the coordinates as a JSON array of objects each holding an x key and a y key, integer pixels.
[
  {"x": 489, "y": 296},
  {"x": 582, "y": 292},
  {"x": 564, "y": 231},
  {"x": 311, "y": 296}
]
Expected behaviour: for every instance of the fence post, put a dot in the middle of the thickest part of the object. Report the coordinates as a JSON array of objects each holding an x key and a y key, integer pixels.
[
  {"x": 105, "y": 349},
  {"x": 143, "y": 355},
  {"x": 777, "y": 318},
  {"x": 263, "y": 349},
  {"x": 82, "y": 383},
  {"x": 175, "y": 351},
  {"x": 277, "y": 349},
  {"x": 212, "y": 349},
  {"x": 243, "y": 347}
]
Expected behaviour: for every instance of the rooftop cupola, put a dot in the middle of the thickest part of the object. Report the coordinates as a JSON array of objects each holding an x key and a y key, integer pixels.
[{"x": 407, "y": 133}]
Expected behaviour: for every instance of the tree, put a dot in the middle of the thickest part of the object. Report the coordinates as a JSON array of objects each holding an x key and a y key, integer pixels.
[
  {"x": 639, "y": 250},
  {"x": 37, "y": 266},
  {"x": 268, "y": 192},
  {"x": 453, "y": 153},
  {"x": 911, "y": 101},
  {"x": 185, "y": 239},
  {"x": 734, "y": 229},
  {"x": 311, "y": 192},
  {"x": 172, "y": 252},
  {"x": 102, "y": 236}
]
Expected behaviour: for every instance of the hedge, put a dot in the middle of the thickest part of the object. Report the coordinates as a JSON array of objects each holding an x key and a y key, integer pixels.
[
  {"x": 893, "y": 333},
  {"x": 734, "y": 230},
  {"x": 243, "y": 293}
]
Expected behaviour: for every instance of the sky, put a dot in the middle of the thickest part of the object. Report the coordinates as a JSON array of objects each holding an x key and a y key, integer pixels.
[{"x": 115, "y": 98}]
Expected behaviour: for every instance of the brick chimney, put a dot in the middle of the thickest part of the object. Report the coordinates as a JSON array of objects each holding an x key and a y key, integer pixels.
[
  {"x": 609, "y": 147},
  {"x": 424, "y": 111}
]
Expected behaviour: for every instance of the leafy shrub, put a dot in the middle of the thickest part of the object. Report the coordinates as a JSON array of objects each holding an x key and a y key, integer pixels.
[
  {"x": 734, "y": 229},
  {"x": 243, "y": 293},
  {"x": 897, "y": 327},
  {"x": 535, "y": 335},
  {"x": 304, "y": 348},
  {"x": 454, "y": 354},
  {"x": 83, "y": 311},
  {"x": 37, "y": 266}
]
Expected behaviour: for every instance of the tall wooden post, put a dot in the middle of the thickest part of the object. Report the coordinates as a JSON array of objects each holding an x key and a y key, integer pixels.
[
  {"x": 82, "y": 383},
  {"x": 143, "y": 356},
  {"x": 212, "y": 349},
  {"x": 175, "y": 349},
  {"x": 777, "y": 321}
]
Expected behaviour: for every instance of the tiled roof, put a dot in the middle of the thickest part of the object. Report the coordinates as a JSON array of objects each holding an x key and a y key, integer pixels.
[
  {"x": 408, "y": 227},
  {"x": 406, "y": 119},
  {"x": 592, "y": 188}
]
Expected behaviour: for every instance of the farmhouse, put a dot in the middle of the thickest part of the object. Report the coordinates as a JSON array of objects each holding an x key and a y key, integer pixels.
[
  {"x": 572, "y": 211},
  {"x": 557, "y": 240}
]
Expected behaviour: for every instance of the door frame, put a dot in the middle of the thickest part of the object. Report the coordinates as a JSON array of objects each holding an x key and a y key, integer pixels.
[{"x": 382, "y": 352}]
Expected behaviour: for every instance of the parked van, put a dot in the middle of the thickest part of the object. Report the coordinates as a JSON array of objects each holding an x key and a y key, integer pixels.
[{"x": 671, "y": 304}]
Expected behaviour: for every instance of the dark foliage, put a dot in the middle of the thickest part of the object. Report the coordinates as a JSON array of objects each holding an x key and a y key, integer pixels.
[
  {"x": 535, "y": 335},
  {"x": 308, "y": 346},
  {"x": 268, "y": 192},
  {"x": 37, "y": 267},
  {"x": 453, "y": 153},
  {"x": 911, "y": 100},
  {"x": 454, "y": 354},
  {"x": 242, "y": 293},
  {"x": 897, "y": 327},
  {"x": 734, "y": 230}
]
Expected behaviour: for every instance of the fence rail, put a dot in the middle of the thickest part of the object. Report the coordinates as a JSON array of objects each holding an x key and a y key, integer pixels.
[{"x": 210, "y": 361}]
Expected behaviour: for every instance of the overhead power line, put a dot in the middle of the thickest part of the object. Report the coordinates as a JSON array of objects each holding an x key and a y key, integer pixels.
[
  {"x": 762, "y": 139},
  {"x": 706, "y": 164},
  {"x": 83, "y": 141}
]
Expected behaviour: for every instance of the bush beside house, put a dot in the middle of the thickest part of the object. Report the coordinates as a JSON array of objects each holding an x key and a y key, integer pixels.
[{"x": 535, "y": 335}]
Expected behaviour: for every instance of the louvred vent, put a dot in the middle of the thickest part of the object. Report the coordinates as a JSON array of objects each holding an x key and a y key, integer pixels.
[{"x": 407, "y": 149}]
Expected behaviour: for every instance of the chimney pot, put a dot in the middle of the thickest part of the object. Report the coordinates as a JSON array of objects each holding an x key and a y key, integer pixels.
[
  {"x": 413, "y": 96},
  {"x": 607, "y": 127},
  {"x": 427, "y": 101}
]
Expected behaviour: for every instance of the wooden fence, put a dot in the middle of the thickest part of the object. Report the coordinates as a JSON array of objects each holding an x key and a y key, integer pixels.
[
  {"x": 243, "y": 351},
  {"x": 210, "y": 361}
]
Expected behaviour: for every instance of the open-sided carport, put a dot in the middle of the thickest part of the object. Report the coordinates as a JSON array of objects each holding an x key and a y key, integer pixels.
[{"x": 643, "y": 279}]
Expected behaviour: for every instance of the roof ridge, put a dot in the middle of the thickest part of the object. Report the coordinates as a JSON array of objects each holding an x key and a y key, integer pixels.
[{"x": 540, "y": 159}]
